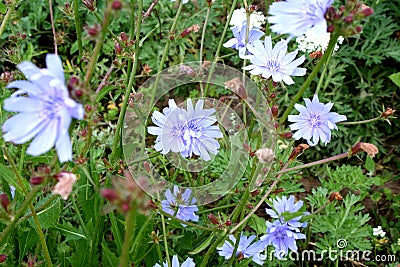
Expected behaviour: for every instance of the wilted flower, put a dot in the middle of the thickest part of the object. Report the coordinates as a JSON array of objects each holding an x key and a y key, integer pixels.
[
  {"x": 274, "y": 62},
  {"x": 295, "y": 17},
  {"x": 239, "y": 16},
  {"x": 46, "y": 111},
  {"x": 175, "y": 263},
  {"x": 239, "y": 40},
  {"x": 282, "y": 237},
  {"x": 64, "y": 185},
  {"x": 245, "y": 248},
  {"x": 314, "y": 121},
  {"x": 180, "y": 205},
  {"x": 186, "y": 131},
  {"x": 265, "y": 155},
  {"x": 284, "y": 204}
]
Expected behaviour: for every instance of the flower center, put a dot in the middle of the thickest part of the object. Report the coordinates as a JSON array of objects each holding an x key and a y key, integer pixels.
[
  {"x": 52, "y": 108},
  {"x": 273, "y": 65},
  {"x": 315, "y": 120},
  {"x": 280, "y": 234}
]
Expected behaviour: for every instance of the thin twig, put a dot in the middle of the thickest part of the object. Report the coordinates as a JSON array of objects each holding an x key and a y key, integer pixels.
[
  {"x": 150, "y": 9},
  {"x": 104, "y": 81},
  {"x": 52, "y": 26}
]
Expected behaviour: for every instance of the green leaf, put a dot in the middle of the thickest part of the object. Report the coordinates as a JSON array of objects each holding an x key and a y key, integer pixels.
[
  {"x": 3, "y": 8},
  {"x": 49, "y": 216},
  {"x": 369, "y": 164},
  {"x": 109, "y": 256},
  {"x": 203, "y": 245},
  {"x": 258, "y": 224},
  {"x": 70, "y": 232},
  {"x": 26, "y": 240},
  {"x": 395, "y": 77},
  {"x": 9, "y": 176}
]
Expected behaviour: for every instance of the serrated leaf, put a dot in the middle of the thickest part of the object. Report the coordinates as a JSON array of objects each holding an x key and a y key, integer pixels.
[
  {"x": 109, "y": 256},
  {"x": 26, "y": 240},
  {"x": 70, "y": 232},
  {"x": 49, "y": 215}
]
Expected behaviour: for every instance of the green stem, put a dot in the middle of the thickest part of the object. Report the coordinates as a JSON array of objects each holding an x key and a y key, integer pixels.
[
  {"x": 78, "y": 27},
  {"x": 185, "y": 222},
  {"x": 306, "y": 84},
  {"x": 130, "y": 85},
  {"x": 37, "y": 223},
  {"x": 7, "y": 17},
  {"x": 165, "y": 53},
  {"x": 212, "y": 249},
  {"x": 129, "y": 232},
  {"x": 203, "y": 34},
  {"x": 136, "y": 243},
  {"x": 243, "y": 221},
  {"x": 97, "y": 48},
  {"x": 165, "y": 240},
  {"x": 221, "y": 42},
  {"x": 360, "y": 122},
  {"x": 322, "y": 161},
  {"x": 41, "y": 236},
  {"x": 321, "y": 79}
]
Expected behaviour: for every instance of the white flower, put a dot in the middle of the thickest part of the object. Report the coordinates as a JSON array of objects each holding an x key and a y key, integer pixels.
[
  {"x": 378, "y": 231},
  {"x": 312, "y": 41},
  {"x": 239, "y": 16},
  {"x": 64, "y": 186}
]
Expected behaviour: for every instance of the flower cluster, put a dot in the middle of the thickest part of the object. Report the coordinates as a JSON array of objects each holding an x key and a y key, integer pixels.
[
  {"x": 45, "y": 110},
  {"x": 175, "y": 263},
  {"x": 239, "y": 16},
  {"x": 378, "y": 231},
  {"x": 245, "y": 249},
  {"x": 180, "y": 205},
  {"x": 312, "y": 42},
  {"x": 315, "y": 121},
  {"x": 186, "y": 132},
  {"x": 281, "y": 233}
]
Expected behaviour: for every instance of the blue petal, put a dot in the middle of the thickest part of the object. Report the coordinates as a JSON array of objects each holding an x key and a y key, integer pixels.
[
  {"x": 45, "y": 139},
  {"x": 54, "y": 65}
]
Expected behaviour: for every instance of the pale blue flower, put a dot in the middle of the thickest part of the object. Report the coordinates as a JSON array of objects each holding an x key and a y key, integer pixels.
[
  {"x": 282, "y": 237},
  {"x": 245, "y": 248},
  {"x": 295, "y": 17},
  {"x": 45, "y": 110},
  {"x": 238, "y": 41},
  {"x": 175, "y": 263},
  {"x": 314, "y": 121},
  {"x": 284, "y": 204},
  {"x": 186, "y": 131},
  {"x": 180, "y": 205},
  {"x": 274, "y": 62}
]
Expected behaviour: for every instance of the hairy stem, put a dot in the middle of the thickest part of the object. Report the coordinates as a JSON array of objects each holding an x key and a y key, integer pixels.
[
  {"x": 129, "y": 232},
  {"x": 78, "y": 27},
  {"x": 7, "y": 16}
]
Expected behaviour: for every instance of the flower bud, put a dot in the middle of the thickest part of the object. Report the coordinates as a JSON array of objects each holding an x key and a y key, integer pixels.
[
  {"x": 89, "y": 4},
  {"x": 213, "y": 219},
  {"x": 36, "y": 180},
  {"x": 5, "y": 201},
  {"x": 286, "y": 135},
  {"x": 297, "y": 150},
  {"x": 388, "y": 112},
  {"x": 151, "y": 205},
  {"x": 109, "y": 194},
  {"x": 116, "y": 5},
  {"x": 228, "y": 223},
  {"x": 335, "y": 196},
  {"x": 274, "y": 111},
  {"x": 3, "y": 258},
  {"x": 64, "y": 185}
]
